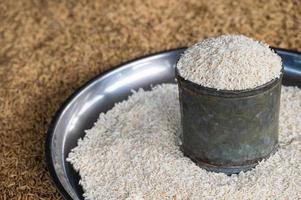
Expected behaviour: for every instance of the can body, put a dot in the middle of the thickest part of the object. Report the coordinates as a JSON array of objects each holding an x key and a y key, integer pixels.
[{"x": 232, "y": 131}]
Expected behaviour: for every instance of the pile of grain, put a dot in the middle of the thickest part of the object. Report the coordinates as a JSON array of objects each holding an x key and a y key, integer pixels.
[
  {"x": 132, "y": 152},
  {"x": 50, "y": 48},
  {"x": 230, "y": 62}
]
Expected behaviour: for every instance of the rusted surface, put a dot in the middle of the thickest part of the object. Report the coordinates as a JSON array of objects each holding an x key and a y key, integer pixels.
[{"x": 229, "y": 131}]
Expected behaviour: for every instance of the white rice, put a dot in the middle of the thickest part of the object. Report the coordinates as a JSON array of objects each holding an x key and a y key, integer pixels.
[
  {"x": 132, "y": 152},
  {"x": 230, "y": 62}
]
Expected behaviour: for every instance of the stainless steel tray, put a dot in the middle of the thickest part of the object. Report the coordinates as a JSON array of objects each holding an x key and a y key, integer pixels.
[{"x": 82, "y": 108}]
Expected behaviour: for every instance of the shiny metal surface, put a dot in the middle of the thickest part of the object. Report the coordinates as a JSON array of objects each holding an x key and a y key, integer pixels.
[{"x": 81, "y": 109}]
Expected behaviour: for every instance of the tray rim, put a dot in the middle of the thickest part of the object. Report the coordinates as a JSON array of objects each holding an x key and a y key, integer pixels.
[
  {"x": 63, "y": 106},
  {"x": 55, "y": 117}
]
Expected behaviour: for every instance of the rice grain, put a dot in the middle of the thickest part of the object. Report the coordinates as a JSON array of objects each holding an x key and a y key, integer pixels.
[
  {"x": 230, "y": 62},
  {"x": 132, "y": 152}
]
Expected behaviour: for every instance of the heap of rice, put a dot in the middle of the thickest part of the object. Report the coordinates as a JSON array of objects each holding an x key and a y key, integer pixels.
[
  {"x": 132, "y": 152},
  {"x": 230, "y": 62}
]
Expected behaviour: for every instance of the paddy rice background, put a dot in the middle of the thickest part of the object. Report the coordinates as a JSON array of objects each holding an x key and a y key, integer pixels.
[{"x": 50, "y": 48}]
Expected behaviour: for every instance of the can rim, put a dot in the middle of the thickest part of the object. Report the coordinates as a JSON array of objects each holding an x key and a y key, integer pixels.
[{"x": 227, "y": 93}]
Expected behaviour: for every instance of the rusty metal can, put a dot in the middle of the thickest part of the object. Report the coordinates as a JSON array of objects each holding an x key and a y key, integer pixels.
[{"x": 226, "y": 130}]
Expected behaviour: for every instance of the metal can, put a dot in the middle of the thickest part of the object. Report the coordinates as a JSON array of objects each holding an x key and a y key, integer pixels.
[{"x": 229, "y": 131}]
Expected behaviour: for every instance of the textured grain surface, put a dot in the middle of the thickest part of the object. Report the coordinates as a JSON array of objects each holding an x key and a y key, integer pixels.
[
  {"x": 49, "y": 48},
  {"x": 230, "y": 62},
  {"x": 136, "y": 155}
]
